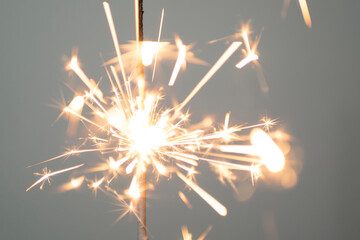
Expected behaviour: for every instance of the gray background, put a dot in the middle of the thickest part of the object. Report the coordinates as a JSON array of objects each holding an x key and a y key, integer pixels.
[{"x": 313, "y": 76}]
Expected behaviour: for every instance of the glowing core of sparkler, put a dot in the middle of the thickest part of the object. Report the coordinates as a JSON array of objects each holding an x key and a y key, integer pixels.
[
  {"x": 146, "y": 137},
  {"x": 148, "y": 50}
]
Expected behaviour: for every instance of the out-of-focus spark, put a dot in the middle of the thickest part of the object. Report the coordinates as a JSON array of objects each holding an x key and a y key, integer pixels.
[
  {"x": 285, "y": 8},
  {"x": 131, "y": 166},
  {"x": 88, "y": 82},
  {"x": 67, "y": 109},
  {"x": 203, "y": 236},
  {"x": 215, "y": 204},
  {"x": 265, "y": 147},
  {"x": 188, "y": 236},
  {"x": 179, "y": 61},
  {"x": 305, "y": 12},
  {"x": 242, "y": 149},
  {"x": 269, "y": 226},
  {"x": 251, "y": 56},
  {"x": 96, "y": 184},
  {"x": 47, "y": 174},
  {"x": 184, "y": 199},
  {"x": 73, "y": 184},
  {"x": 116, "y": 164},
  {"x": 185, "y": 233},
  {"x": 77, "y": 103},
  {"x": 134, "y": 191},
  {"x": 246, "y": 40}
]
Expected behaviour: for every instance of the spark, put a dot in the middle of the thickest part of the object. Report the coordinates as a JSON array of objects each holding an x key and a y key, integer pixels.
[
  {"x": 233, "y": 47},
  {"x": 77, "y": 103},
  {"x": 184, "y": 199},
  {"x": 305, "y": 12},
  {"x": 251, "y": 56},
  {"x": 96, "y": 184},
  {"x": 72, "y": 184},
  {"x": 188, "y": 236},
  {"x": 215, "y": 204},
  {"x": 268, "y": 122},
  {"x": 116, "y": 164},
  {"x": 47, "y": 174},
  {"x": 134, "y": 191},
  {"x": 88, "y": 82},
  {"x": 179, "y": 61},
  {"x": 204, "y": 234},
  {"x": 158, "y": 45},
  {"x": 265, "y": 147}
]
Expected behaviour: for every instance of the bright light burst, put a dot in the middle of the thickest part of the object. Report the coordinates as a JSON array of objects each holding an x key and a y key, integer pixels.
[{"x": 135, "y": 132}]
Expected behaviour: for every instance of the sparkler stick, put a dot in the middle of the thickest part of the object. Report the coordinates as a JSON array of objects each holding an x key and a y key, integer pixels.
[{"x": 139, "y": 13}]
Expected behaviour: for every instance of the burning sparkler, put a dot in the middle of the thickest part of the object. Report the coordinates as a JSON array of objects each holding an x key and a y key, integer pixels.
[{"x": 136, "y": 133}]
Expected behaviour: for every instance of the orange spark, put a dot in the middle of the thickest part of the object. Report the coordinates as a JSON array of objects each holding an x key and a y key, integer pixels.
[{"x": 215, "y": 204}]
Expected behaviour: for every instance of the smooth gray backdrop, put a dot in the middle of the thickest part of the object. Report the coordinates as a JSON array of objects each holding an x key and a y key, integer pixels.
[{"x": 313, "y": 76}]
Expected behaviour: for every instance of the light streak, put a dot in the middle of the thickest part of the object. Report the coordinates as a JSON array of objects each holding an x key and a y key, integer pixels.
[
  {"x": 305, "y": 12},
  {"x": 233, "y": 47},
  {"x": 47, "y": 175},
  {"x": 88, "y": 82},
  {"x": 115, "y": 40},
  {"x": 179, "y": 62},
  {"x": 96, "y": 184},
  {"x": 188, "y": 236},
  {"x": 251, "y": 52},
  {"x": 265, "y": 147},
  {"x": 203, "y": 236},
  {"x": 134, "y": 191},
  {"x": 215, "y": 204},
  {"x": 185, "y": 200},
  {"x": 251, "y": 57},
  {"x": 158, "y": 45},
  {"x": 77, "y": 103}
]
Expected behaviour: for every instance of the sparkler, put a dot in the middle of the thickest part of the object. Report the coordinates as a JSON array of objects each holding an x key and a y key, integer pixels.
[{"x": 136, "y": 133}]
